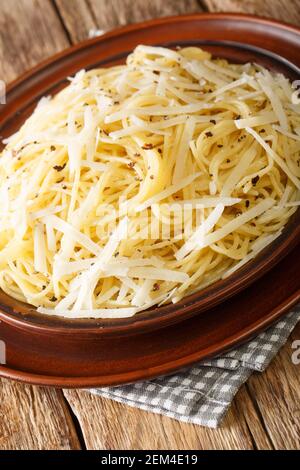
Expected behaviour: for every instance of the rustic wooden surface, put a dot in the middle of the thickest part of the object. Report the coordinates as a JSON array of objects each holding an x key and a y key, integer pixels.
[{"x": 266, "y": 411}]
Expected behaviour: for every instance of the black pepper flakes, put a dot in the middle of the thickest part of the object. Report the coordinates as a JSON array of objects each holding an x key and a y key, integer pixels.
[
  {"x": 213, "y": 121},
  {"x": 53, "y": 299},
  {"x": 208, "y": 134},
  {"x": 60, "y": 167},
  {"x": 247, "y": 203},
  {"x": 131, "y": 164},
  {"x": 159, "y": 150},
  {"x": 255, "y": 180},
  {"x": 156, "y": 286},
  {"x": 52, "y": 148},
  {"x": 220, "y": 146}
]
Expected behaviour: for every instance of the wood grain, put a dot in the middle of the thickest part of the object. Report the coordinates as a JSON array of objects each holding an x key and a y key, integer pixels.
[
  {"x": 78, "y": 18},
  {"x": 34, "y": 418},
  {"x": 276, "y": 397},
  {"x": 29, "y": 32},
  {"x": 245, "y": 407},
  {"x": 105, "y": 15},
  {"x": 110, "y": 425},
  {"x": 284, "y": 10}
]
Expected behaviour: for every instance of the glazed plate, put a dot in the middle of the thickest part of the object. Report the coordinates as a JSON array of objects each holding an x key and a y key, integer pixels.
[
  {"x": 65, "y": 359},
  {"x": 50, "y": 351}
]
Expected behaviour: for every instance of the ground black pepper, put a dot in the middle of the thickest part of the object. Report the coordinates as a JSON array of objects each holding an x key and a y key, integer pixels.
[
  {"x": 60, "y": 167},
  {"x": 255, "y": 180}
]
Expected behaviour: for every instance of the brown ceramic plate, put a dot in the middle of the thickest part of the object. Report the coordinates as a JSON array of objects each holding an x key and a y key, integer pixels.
[
  {"x": 238, "y": 38},
  {"x": 67, "y": 359}
]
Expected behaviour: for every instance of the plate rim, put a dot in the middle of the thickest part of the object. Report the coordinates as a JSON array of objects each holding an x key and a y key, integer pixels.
[{"x": 167, "y": 368}]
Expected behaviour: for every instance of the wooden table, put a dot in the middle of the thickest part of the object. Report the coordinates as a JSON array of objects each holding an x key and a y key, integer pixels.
[{"x": 266, "y": 411}]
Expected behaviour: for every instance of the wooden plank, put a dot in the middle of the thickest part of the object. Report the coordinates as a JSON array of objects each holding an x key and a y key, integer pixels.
[
  {"x": 285, "y": 10},
  {"x": 30, "y": 31},
  {"x": 276, "y": 395},
  {"x": 105, "y": 15},
  {"x": 107, "y": 424},
  {"x": 245, "y": 407},
  {"x": 34, "y": 418},
  {"x": 78, "y": 18},
  {"x": 121, "y": 12}
]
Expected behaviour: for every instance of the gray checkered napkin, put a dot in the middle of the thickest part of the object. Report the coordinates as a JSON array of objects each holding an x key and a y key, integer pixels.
[{"x": 203, "y": 393}]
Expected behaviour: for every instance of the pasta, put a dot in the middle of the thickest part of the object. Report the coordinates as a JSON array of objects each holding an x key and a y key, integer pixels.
[{"x": 141, "y": 183}]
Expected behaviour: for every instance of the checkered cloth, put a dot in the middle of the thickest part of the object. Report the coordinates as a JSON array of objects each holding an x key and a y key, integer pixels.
[{"x": 202, "y": 394}]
